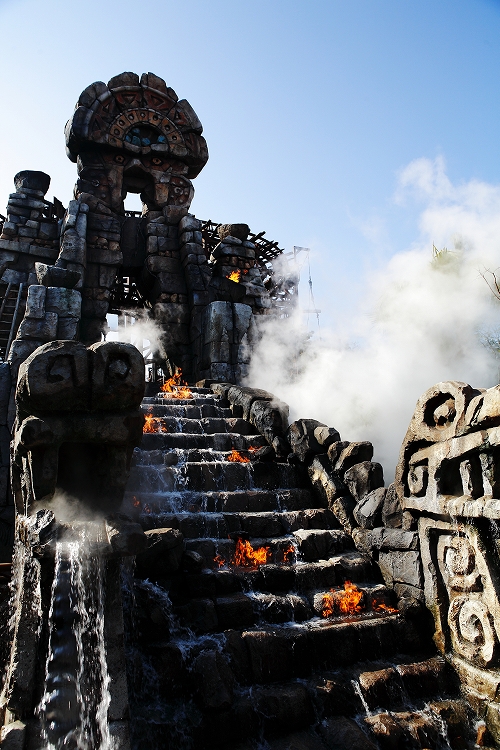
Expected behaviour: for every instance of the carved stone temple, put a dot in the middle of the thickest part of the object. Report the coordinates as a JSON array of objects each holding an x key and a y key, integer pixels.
[{"x": 181, "y": 567}]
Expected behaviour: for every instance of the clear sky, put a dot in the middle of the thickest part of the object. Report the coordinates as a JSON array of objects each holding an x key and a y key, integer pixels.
[{"x": 310, "y": 109}]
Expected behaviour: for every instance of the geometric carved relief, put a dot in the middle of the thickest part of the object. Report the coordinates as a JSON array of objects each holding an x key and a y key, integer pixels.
[
  {"x": 462, "y": 591},
  {"x": 450, "y": 459}
]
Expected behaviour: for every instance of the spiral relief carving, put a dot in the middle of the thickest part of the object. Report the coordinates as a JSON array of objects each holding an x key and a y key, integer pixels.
[{"x": 471, "y": 629}]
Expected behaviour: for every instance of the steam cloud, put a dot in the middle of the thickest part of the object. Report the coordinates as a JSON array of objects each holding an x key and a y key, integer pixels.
[
  {"x": 424, "y": 320},
  {"x": 144, "y": 332}
]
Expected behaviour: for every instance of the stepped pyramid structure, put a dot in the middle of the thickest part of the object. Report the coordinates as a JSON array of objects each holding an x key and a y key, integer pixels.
[{"x": 189, "y": 570}]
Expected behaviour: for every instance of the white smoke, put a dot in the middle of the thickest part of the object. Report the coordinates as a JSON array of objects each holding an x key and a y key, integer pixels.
[
  {"x": 138, "y": 329},
  {"x": 424, "y": 319}
]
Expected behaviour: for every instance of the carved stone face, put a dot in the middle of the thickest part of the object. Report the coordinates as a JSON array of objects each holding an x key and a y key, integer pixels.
[
  {"x": 110, "y": 176},
  {"x": 135, "y": 136}
]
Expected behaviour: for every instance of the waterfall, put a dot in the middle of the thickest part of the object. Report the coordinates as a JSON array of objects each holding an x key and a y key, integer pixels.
[{"x": 74, "y": 706}]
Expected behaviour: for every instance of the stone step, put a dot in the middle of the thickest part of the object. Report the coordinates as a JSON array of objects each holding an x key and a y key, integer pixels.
[
  {"x": 277, "y": 654},
  {"x": 441, "y": 724},
  {"x": 400, "y": 685},
  {"x": 156, "y": 505},
  {"x": 258, "y": 524},
  {"x": 190, "y": 411},
  {"x": 177, "y": 457},
  {"x": 206, "y": 476},
  {"x": 306, "y": 579},
  {"x": 224, "y": 441},
  {"x": 319, "y": 545},
  {"x": 197, "y": 399},
  {"x": 206, "y": 426},
  {"x": 234, "y": 609}
]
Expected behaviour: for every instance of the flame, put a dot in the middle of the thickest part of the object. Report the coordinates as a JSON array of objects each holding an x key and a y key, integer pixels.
[
  {"x": 328, "y": 605},
  {"x": 381, "y": 607},
  {"x": 236, "y": 457},
  {"x": 288, "y": 554},
  {"x": 245, "y": 556},
  {"x": 136, "y": 502},
  {"x": 175, "y": 387},
  {"x": 347, "y": 601},
  {"x": 234, "y": 276},
  {"x": 153, "y": 424},
  {"x": 219, "y": 560},
  {"x": 350, "y": 600},
  {"x": 253, "y": 448}
]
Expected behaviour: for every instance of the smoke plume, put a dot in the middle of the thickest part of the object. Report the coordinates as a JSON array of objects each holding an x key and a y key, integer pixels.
[{"x": 428, "y": 316}]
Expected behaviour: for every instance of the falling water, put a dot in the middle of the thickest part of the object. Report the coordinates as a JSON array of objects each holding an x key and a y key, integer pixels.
[{"x": 74, "y": 706}]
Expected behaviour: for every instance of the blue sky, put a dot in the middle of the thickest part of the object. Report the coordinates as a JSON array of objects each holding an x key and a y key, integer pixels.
[{"x": 310, "y": 109}]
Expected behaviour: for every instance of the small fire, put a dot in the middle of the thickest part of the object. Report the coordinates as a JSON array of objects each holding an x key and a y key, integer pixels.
[
  {"x": 175, "y": 387},
  {"x": 381, "y": 607},
  {"x": 136, "y": 502},
  {"x": 153, "y": 424},
  {"x": 245, "y": 556},
  {"x": 349, "y": 602},
  {"x": 236, "y": 457},
  {"x": 236, "y": 274},
  {"x": 288, "y": 554}
]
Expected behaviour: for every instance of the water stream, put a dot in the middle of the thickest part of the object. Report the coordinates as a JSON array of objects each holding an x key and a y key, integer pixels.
[{"x": 74, "y": 705}]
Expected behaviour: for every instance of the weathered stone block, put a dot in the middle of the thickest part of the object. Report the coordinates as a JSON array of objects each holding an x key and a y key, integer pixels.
[
  {"x": 67, "y": 329},
  {"x": 301, "y": 436},
  {"x": 392, "y": 512},
  {"x": 270, "y": 418},
  {"x": 41, "y": 329},
  {"x": 325, "y": 482},
  {"x": 402, "y": 567},
  {"x": 163, "y": 553},
  {"x": 319, "y": 544},
  {"x": 65, "y": 302},
  {"x": 364, "y": 477},
  {"x": 368, "y": 511},
  {"x": 33, "y": 180},
  {"x": 35, "y": 302},
  {"x": 239, "y": 231},
  {"x": 189, "y": 223},
  {"x": 73, "y": 248},
  {"x": 353, "y": 453},
  {"x": 382, "y": 688}
]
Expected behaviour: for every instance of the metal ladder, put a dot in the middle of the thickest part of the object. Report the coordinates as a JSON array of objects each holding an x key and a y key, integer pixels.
[{"x": 11, "y": 305}]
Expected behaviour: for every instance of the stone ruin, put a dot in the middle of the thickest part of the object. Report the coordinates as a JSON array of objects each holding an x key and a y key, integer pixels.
[{"x": 190, "y": 570}]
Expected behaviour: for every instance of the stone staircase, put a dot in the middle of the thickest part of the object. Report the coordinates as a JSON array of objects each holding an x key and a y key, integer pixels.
[{"x": 241, "y": 656}]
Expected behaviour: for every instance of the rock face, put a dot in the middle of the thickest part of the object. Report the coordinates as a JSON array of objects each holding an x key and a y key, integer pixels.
[{"x": 447, "y": 488}]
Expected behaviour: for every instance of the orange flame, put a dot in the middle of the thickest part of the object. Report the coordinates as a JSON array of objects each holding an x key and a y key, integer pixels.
[
  {"x": 245, "y": 556},
  {"x": 350, "y": 600},
  {"x": 381, "y": 607},
  {"x": 153, "y": 424},
  {"x": 288, "y": 554},
  {"x": 219, "y": 560},
  {"x": 236, "y": 457},
  {"x": 347, "y": 601},
  {"x": 136, "y": 502},
  {"x": 234, "y": 276},
  {"x": 175, "y": 387}
]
